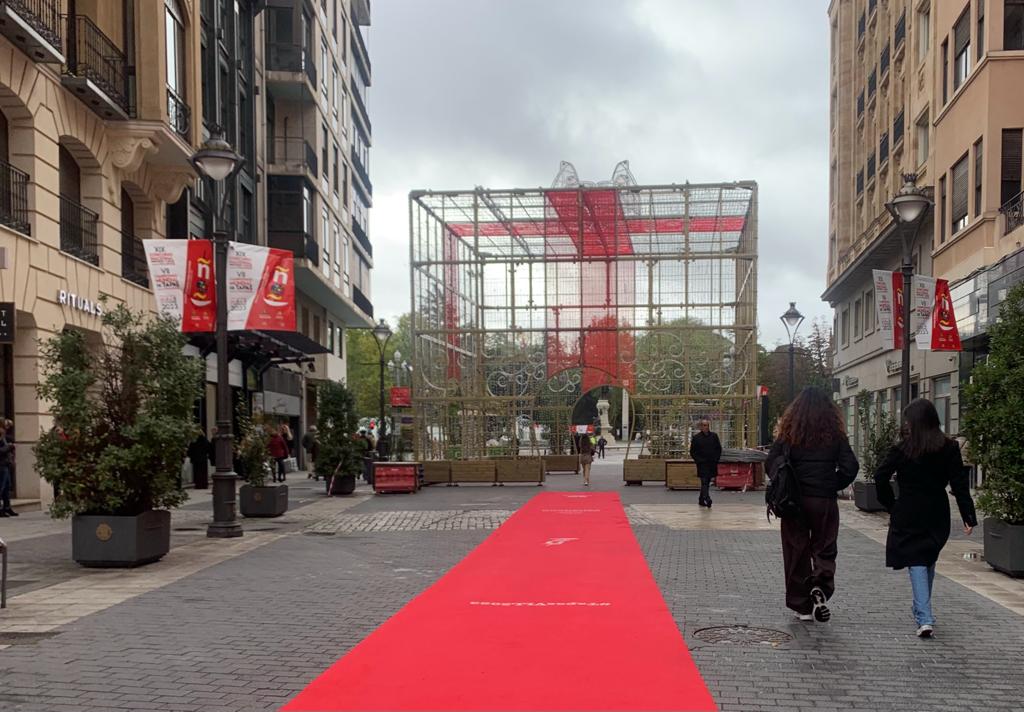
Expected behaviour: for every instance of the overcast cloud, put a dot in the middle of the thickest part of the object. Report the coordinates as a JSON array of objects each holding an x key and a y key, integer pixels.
[{"x": 497, "y": 92}]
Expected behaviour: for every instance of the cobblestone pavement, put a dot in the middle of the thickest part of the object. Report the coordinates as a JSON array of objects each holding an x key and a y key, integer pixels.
[{"x": 248, "y": 631}]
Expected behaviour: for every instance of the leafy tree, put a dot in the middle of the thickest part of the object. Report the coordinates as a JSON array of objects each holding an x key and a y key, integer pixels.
[
  {"x": 363, "y": 364},
  {"x": 992, "y": 422},
  {"x": 812, "y": 367},
  {"x": 336, "y": 426},
  {"x": 123, "y": 416},
  {"x": 879, "y": 433}
]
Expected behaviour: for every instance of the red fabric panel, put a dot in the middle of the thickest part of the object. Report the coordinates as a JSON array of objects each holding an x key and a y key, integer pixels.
[
  {"x": 451, "y": 304},
  {"x": 632, "y": 226}
]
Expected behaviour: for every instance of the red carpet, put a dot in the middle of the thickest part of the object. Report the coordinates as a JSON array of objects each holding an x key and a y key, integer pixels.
[{"x": 556, "y": 610}]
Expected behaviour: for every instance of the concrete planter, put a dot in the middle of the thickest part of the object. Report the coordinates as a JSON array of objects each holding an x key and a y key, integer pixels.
[
  {"x": 120, "y": 542},
  {"x": 865, "y": 497},
  {"x": 525, "y": 469},
  {"x": 263, "y": 501},
  {"x": 562, "y": 463},
  {"x": 1004, "y": 547},
  {"x": 636, "y": 472}
]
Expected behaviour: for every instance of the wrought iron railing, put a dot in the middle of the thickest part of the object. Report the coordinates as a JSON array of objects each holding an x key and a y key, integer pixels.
[
  {"x": 361, "y": 237},
  {"x": 1013, "y": 212},
  {"x": 43, "y": 16},
  {"x": 133, "y": 260},
  {"x": 78, "y": 231},
  {"x": 285, "y": 57},
  {"x": 179, "y": 114},
  {"x": 14, "y": 198},
  {"x": 91, "y": 55},
  {"x": 293, "y": 149},
  {"x": 362, "y": 302}
]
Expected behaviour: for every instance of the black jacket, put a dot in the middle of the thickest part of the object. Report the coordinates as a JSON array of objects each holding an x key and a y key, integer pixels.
[
  {"x": 6, "y": 450},
  {"x": 820, "y": 472},
  {"x": 706, "y": 448},
  {"x": 920, "y": 519}
]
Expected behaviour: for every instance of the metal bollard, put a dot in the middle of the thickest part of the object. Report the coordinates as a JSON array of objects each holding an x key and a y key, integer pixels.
[{"x": 3, "y": 574}]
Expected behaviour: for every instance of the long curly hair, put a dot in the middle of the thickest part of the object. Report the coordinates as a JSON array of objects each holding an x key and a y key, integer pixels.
[{"x": 812, "y": 420}]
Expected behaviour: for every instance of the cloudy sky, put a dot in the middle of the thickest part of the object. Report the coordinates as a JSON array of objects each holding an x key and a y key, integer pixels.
[{"x": 497, "y": 92}]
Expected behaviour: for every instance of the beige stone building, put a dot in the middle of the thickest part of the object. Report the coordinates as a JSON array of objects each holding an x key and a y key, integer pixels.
[{"x": 934, "y": 88}]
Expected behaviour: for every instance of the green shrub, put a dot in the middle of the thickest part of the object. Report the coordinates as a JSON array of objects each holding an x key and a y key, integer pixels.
[
  {"x": 336, "y": 425},
  {"x": 253, "y": 447}
]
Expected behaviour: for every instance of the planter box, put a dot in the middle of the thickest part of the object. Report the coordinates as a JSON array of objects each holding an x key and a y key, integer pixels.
[
  {"x": 865, "y": 497},
  {"x": 636, "y": 472},
  {"x": 103, "y": 541},
  {"x": 396, "y": 477},
  {"x": 473, "y": 471},
  {"x": 437, "y": 472},
  {"x": 1004, "y": 547},
  {"x": 735, "y": 475},
  {"x": 263, "y": 501},
  {"x": 341, "y": 485},
  {"x": 525, "y": 469},
  {"x": 562, "y": 463},
  {"x": 681, "y": 475}
]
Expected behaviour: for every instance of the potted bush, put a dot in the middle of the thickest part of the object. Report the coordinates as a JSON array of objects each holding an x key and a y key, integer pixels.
[
  {"x": 338, "y": 458},
  {"x": 255, "y": 497},
  {"x": 992, "y": 423},
  {"x": 123, "y": 419},
  {"x": 880, "y": 434}
]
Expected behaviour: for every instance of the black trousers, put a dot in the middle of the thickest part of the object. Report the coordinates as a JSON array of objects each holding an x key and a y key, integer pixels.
[
  {"x": 705, "y": 490},
  {"x": 809, "y": 548}
]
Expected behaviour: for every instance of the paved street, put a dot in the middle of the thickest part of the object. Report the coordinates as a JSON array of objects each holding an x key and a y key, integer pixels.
[{"x": 244, "y": 625}]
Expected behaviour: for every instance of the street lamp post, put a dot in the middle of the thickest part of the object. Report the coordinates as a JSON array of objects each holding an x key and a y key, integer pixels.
[
  {"x": 792, "y": 320},
  {"x": 383, "y": 334},
  {"x": 908, "y": 208},
  {"x": 219, "y": 162}
]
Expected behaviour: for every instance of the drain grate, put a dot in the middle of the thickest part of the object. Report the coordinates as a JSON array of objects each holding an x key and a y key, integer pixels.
[
  {"x": 743, "y": 635},
  {"x": 24, "y": 638}
]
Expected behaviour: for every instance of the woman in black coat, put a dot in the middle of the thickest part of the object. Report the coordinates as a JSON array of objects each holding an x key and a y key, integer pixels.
[
  {"x": 812, "y": 436},
  {"x": 925, "y": 463}
]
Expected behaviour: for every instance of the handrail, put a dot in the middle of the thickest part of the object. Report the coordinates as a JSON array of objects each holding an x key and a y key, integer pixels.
[
  {"x": 44, "y": 17},
  {"x": 1013, "y": 209},
  {"x": 78, "y": 231},
  {"x": 92, "y": 55},
  {"x": 14, "y": 198}
]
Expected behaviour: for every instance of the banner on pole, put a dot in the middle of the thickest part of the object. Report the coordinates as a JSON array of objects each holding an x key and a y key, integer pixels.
[
  {"x": 181, "y": 272},
  {"x": 261, "y": 288},
  {"x": 938, "y": 330},
  {"x": 931, "y": 312},
  {"x": 401, "y": 397}
]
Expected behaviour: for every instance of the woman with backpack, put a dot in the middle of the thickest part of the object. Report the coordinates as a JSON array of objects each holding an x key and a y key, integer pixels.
[
  {"x": 925, "y": 462},
  {"x": 813, "y": 453}
]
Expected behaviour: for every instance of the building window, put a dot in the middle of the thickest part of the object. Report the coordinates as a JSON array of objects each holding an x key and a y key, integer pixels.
[
  {"x": 883, "y": 149},
  {"x": 845, "y": 327},
  {"x": 344, "y": 185},
  {"x": 323, "y": 68},
  {"x": 941, "y": 388},
  {"x": 945, "y": 71},
  {"x": 317, "y": 337},
  {"x": 1013, "y": 25},
  {"x": 337, "y": 170},
  {"x": 962, "y": 49},
  {"x": 977, "y": 177},
  {"x": 942, "y": 209},
  {"x": 922, "y": 138},
  {"x": 835, "y": 331},
  {"x": 175, "y": 49},
  {"x": 981, "y": 29},
  {"x": 1010, "y": 164},
  {"x": 958, "y": 210},
  {"x": 897, "y": 129},
  {"x": 858, "y": 319},
  {"x": 330, "y": 336},
  {"x": 325, "y": 239},
  {"x": 924, "y": 28},
  {"x": 324, "y": 143},
  {"x": 860, "y": 181},
  {"x": 869, "y": 311}
]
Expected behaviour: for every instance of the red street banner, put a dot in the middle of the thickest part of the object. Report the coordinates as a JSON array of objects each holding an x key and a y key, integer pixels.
[
  {"x": 931, "y": 312},
  {"x": 181, "y": 272},
  {"x": 401, "y": 397},
  {"x": 581, "y": 429},
  {"x": 200, "y": 312},
  {"x": 939, "y": 333},
  {"x": 261, "y": 288}
]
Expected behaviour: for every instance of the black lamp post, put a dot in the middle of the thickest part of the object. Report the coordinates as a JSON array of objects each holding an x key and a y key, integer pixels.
[
  {"x": 792, "y": 320},
  {"x": 217, "y": 160},
  {"x": 383, "y": 334},
  {"x": 908, "y": 208}
]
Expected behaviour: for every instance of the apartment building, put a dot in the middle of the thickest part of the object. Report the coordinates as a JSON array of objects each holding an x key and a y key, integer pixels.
[{"x": 930, "y": 88}]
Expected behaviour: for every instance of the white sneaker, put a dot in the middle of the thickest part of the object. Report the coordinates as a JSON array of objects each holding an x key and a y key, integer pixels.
[
  {"x": 925, "y": 631},
  {"x": 804, "y": 617}
]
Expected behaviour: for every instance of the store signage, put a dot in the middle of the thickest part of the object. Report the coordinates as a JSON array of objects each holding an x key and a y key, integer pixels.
[
  {"x": 79, "y": 303},
  {"x": 851, "y": 382},
  {"x": 893, "y": 367},
  {"x": 401, "y": 397},
  {"x": 7, "y": 326}
]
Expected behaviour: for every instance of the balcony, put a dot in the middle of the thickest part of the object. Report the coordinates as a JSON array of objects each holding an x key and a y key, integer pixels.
[
  {"x": 96, "y": 70},
  {"x": 78, "y": 231},
  {"x": 362, "y": 302},
  {"x": 179, "y": 114},
  {"x": 361, "y": 237},
  {"x": 133, "y": 260},
  {"x": 300, "y": 244},
  {"x": 35, "y": 27},
  {"x": 361, "y": 171},
  {"x": 291, "y": 71},
  {"x": 1013, "y": 213},
  {"x": 362, "y": 56},
  {"x": 364, "y": 115},
  {"x": 14, "y": 198},
  {"x": 293, "y": 156}
]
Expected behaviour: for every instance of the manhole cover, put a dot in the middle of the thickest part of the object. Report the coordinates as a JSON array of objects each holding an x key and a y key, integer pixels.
[{"x": 743, "y": 635}]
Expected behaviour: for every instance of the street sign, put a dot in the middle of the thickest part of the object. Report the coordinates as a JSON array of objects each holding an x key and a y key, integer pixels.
[{"x": 401, "y": 397}]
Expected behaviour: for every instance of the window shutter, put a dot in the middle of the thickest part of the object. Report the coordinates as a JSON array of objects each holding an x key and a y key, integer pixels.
[
  {"x": 962, "y": 33},
  {"x": 960, "y": 189},
  {"x": 1010, "y": 168}
]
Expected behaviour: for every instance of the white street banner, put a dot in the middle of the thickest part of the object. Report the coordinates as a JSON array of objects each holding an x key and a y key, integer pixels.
[
  {"x": 261, "y": 288},
  {"x": 886, "y": 309},
  {"x": 181, "y": 272},
  {"x": 921, "y": 310},
  {"x": 931, "y": 312}
]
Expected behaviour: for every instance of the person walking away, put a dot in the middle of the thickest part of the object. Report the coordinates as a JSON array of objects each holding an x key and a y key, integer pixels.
[
  {"x": 6, "y": 462},
  {"x": 279, "y": 451},
  {"x": 813, "y": 438},
  {"x": 312, "y": 448},
  {"x": 706, "y": 451},
  {"x": 586, "y": 457},
  {"x": 925, "y": 462},
  {"x": 602, "y": 443},
  {"x": 199, "y": 457}
]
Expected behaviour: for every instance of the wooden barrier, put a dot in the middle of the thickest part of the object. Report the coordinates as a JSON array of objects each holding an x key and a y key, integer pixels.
[
  {"x": 636, "y": 472},
  {"x": 681, "y": 475},
  {"x": 473, "y": 471},
  {"x": 562, "y": 463},
  {"x": 525, "y": 469},
  {"x": 437, "y": 472}
]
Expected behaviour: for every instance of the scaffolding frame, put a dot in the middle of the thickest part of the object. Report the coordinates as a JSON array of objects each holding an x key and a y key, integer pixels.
[{"x": 523, "y": 300}]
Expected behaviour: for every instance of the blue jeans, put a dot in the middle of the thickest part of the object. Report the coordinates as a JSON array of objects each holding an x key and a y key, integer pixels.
[{"x": 921, "y": 580}]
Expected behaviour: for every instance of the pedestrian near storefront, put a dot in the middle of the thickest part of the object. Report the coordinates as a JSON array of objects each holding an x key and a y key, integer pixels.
[
  {"x": 925, "y": 462},
  {"x": 602, "y": 443},
  {"x": 705, "y": 451},
  {"x": 6, "y": 463},
  {"x": 312, "y": 448},
  {"x": 586, "y": 457},
  {"x": 813, "y": 440},
  {"x": 279, "y": 451},
  {"x": 199, "y": 451}
]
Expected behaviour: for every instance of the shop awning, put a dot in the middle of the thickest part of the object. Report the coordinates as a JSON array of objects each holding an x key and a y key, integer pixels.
[{"x": 263, "y": 348}]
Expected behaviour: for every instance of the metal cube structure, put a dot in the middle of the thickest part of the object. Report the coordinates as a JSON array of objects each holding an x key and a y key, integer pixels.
[{"x": 523, "y": 300}]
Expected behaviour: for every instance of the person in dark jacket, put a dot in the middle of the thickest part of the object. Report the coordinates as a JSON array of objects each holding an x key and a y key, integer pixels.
[
  {"x": 199, "y": 452},
  {"x": 812, "y": 435},
  {"x": 706, "y": 451},
  {"x": 6, "y": 463},
  {"x": 278, "y": 447},
  {"x": 925, "y": 462},
  {"x": 586, "y": 448}
]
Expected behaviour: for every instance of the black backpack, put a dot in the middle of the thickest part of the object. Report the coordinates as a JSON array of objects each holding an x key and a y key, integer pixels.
[{"x": 783, "y": 493}]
